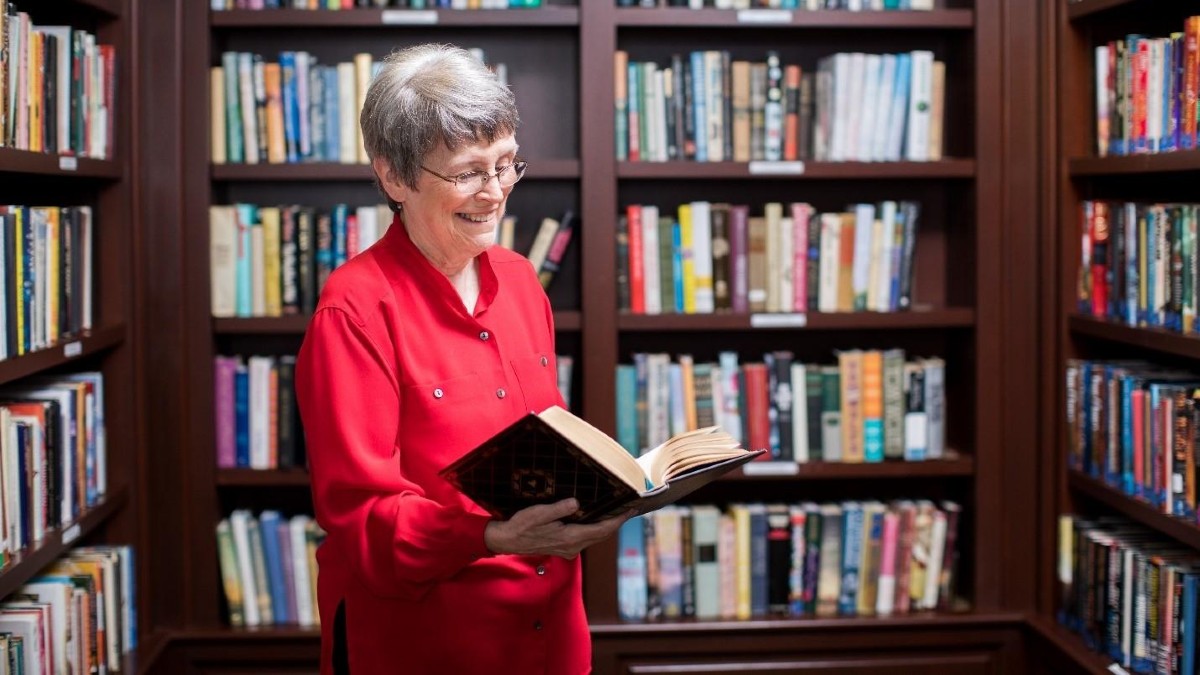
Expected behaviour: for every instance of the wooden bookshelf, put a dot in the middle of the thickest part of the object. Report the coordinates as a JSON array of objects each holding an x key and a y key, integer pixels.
[
  {"x": 565, "y": 320},
  {"x": 112, "y": 8},
  {"x": 28, "y": 563},
  {"x": 1126, "y": 165},
  {"x": 62, "y": 353},
  {"x": 1086, "y": 8},
  {"x": 1071, "y": 645},
  {"x": 917, "y": 319},
  {"x": 539, "y": 169},
  {"x": 942, "y": 19},
  {"x": 255, "y": 478},
  {"x": 949, "y": 168},
  {"x": 548, "y": 16},
  {"x": 942, "y": 620},
  {"x": 1154, "y": 339},
  {"x": 1172, "y": 526},
  {"x": 45, "y": 164}
]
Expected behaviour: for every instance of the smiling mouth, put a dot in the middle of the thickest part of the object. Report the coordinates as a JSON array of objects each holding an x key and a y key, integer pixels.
[{"x": 476, "y": 218}]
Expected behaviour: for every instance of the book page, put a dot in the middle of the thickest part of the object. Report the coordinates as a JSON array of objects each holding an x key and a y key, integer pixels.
[
  {"x": 686, "y": 451},
  {"x": 598, "y": 445}
]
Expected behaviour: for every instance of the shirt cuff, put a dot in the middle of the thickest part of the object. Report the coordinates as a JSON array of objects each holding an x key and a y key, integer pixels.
[{"x": 474, "y": 525}]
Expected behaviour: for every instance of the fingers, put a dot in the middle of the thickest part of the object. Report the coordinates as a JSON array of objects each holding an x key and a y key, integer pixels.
[{"x": 547, "y": 513}]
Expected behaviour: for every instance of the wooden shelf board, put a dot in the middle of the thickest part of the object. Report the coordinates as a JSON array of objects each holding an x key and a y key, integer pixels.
[
  {"x": 27, "y": 563},
  {"x": 887, "y": 20},
  {"x": 1078, "y": 10},
  {"x": 947, "y": 168},
  {"x": 1071, "y": 645},
  {"x": 262, "y": 477},
  {"x": 1163, "y": 162},
  {"x": 1176, "y": 528},
  {"x": 1157, "y": 339},
  {"x": 539, "y": 169},
  {"x": 549, "y": 16},
  {"x": 296, "y": 325},
  {"x": 64, "y": 351},
  {"x": 919, "y": 620},
  {"x": 150, "y": 648},
  {"x": 955, "y": 317},
  {"x": 226, "y": 633},
  {"x": 110, "y": 7},
  {"x": 45, "y": 164},
  {"x": 955, "y": 465}
]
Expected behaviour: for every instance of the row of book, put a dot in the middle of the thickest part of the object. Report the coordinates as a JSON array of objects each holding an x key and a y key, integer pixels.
[
  {"x": 834, "y": 559},
  {"x": 269, "y": 568},
  {"x": 851, "y": 5},
  {"x": 710, "y": 257},
  {"x": 295, "y": 110},
  {"x": 550, "y": 243},
  {"x": 57, "y": 88},
  {"x": 53, "y": 463},
  {"x": 45, "y": 275},
  {"x": 218, "y": 5},
  {"x": 705, "y": 106},
  {"x": 256, "y": 419},
  {"x": 1139, "y": 263},
  {"x": 1134, "y": 425},
  {"x": 274, "y": 260},
  {"x": 1129, "y": 593},
  {"x": 79, "y": 615},
  {"x": 1146, "y": 90},
  {"x": 870, "y": 406}
]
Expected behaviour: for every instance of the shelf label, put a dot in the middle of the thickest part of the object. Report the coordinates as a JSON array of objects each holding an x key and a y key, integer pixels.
[
  {"x": 1116, "y": 669},
  {"x": 70, "y": 534},
  {"x": 796, "y": 320},
  {"x": 770, "y": 468},
  {"x": 72, "y": 349},
  {"x": 409, "y": 17},
  {"x": 68, "y": 163},
  {"x": 764, "y": 16},
  {"x": 776, "y": 168}
]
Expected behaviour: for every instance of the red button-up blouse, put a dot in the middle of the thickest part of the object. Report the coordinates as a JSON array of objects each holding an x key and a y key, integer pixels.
[{"x": 396, "y": 380}]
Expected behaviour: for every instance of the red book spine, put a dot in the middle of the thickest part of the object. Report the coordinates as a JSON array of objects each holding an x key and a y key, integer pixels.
[
  {"x": 637, "y": 270},
  {"x": 756, "y": 396}
]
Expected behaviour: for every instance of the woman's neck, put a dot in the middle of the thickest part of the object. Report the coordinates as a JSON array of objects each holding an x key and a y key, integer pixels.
[{"x": 466, "y": 282}]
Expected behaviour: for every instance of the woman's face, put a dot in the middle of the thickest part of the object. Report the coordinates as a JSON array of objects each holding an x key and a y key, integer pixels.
[{"x": 448, "y": 225}]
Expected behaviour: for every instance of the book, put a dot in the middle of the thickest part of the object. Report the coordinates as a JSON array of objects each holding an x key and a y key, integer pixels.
[{"x": 554, "y": 455}]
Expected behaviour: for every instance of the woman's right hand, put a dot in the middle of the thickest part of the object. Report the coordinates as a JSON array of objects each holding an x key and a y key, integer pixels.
[{"x": 539, "y": 530}]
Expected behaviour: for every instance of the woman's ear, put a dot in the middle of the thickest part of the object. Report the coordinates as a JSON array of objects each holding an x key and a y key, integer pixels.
[{"x": 395, "y": 189}]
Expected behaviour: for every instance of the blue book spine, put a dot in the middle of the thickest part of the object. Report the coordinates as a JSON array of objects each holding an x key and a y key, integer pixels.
[
  {"x": 700, "y": 114},
  {"x": 291, "y": 109},
  {"x": 1132, "y": 251},
  {"x": 631, "y": 569},
  {"x": 759, "y": 578},
  {"x": 269, "y": 530},
  {"x": 677, "y": 264},
  {"x": 233, "y": 116},
  {"x": 852, "y": 529},
  {"x": 1127, "y": 484},
  {"x": 241, "y": 414},
  {"x": 1188, "y": 662},
  {"x": 627, "y": 433},
  {"x": 1085, "y": 454},
  {"x": 340, "y": 212},
  {"x": 635, "y": 109},
  {"x": 247, "y": 215},
  {"x": 333, "y": 146}
]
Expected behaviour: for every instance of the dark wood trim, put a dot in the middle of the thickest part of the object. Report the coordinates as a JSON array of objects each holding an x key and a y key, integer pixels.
[
  {"x": 27, "y": 563},
  {"x": 113, "y": 8},
  {"x": 1156, "y": 339},
  {"x": 1185, "y": 532},
  {"x": 955, "y": 317},
  {"x": 245, "y": 634},
  {"x": 1085, "y": 8},
  {"x": 45, "y": 164},
  {"x": 920, "y": 620},
  {"x": 548, "y": 16},
  {"x": 564, "y": 320},
  {"x": 262, "y": 478},
  {"x": 721, "y": 18},
  {"x": 63, "y": 352},
  {"x": 1163, "y": 162},
  {"x": 539, "y": 169},
  {"x": 947, "y": 168},
  {"x": 1070, "y": 645},
  {"x": 150, "y": 648}
]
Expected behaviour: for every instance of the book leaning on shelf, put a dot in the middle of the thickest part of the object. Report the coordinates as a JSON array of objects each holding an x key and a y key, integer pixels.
[{"x": 554, "y": 455}]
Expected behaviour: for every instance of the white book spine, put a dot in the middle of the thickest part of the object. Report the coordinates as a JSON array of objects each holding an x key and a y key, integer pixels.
[
  {"x": 241, "y": 545},
  {"x": 799, "y": 413},
  {"x": 245, "y": 81},
  {"x": 304, "y": 600},
  {"x": 919, "y": 103},
  {"x": 702, "y": 262},
  {"x": 652, "y": 277},
  {"x": 869, "y": 107}
]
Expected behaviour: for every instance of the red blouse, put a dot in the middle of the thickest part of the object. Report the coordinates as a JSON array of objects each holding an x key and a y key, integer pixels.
[{"x": 396, "y": 380}]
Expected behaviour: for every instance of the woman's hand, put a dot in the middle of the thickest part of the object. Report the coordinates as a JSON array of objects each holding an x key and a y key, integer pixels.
[{"x": 539, "y": 530}]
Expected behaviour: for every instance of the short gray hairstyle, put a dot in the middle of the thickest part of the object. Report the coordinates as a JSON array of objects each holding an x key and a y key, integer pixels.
[{"x": 430, "y": 94}]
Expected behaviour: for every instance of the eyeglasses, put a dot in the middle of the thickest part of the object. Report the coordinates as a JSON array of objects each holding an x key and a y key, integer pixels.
[{"x": 472, "y": 182}]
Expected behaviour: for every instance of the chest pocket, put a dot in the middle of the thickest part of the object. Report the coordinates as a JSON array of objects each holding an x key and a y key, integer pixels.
[
  {"x": 459, "y": 411},
  {"x": 538, "y": 377}
]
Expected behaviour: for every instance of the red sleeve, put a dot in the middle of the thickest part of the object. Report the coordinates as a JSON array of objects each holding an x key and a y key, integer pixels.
[{"x": 397, "y": 541}]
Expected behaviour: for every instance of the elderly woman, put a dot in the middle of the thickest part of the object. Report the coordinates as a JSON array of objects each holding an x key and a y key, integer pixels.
[{"x": 421, "y": 348}]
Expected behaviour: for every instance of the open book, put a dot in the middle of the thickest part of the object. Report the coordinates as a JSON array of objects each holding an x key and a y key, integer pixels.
[{"x": 554, "y": 455}]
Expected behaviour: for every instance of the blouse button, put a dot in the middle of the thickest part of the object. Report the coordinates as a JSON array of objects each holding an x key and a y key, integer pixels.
[
  {"x": 499, "y": 393},
  {"x": 537, "y": 625},
  {"x": 545, "y": 362},
  {"x": 541, "y": 570},
  {"x": 438, "y": 393},
  {"x": 484, "y": 335}
]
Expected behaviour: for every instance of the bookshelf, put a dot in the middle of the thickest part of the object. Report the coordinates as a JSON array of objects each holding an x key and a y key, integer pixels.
[
  {"x": 560, "y": 59},
  {"x": 112, "y": 345},
  {"x": 1079, "y": 174}
]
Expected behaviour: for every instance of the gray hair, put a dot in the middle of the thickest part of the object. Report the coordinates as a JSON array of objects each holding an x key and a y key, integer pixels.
[{"x": 430, "y": 94}]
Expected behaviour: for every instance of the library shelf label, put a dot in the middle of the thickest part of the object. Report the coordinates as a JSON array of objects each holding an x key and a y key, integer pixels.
[
  {"x": 778, "y": 320},
  {"x": 763, "y": 168},
  {"x": 770, "y": 468},
  {"x": 68, "y": 163},
  {"x": 72, "y": 349},
  {"x": 764, "y": 16},
  {"x": 70, "y": 534},
  {"x": 422, "y": 17}
]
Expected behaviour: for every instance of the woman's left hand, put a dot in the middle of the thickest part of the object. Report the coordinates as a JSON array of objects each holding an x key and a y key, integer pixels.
[{"x": 539, "y": 530}]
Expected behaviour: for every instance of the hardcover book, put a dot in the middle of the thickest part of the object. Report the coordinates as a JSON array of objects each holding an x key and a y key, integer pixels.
[{"x": 553, "y": 455}]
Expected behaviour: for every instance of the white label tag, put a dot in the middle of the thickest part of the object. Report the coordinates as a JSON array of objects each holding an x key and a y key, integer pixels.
[
  {"x": 421, "y": 17},
  {"x": 764, "y": 16},
  {"x": 72, "y": 349},
  {"x": 70, "y": 534},
  {"x": 1116, "y": 669},
  {"x": 797, "y": 320},
  {"x": 770, "y": 468},
  {"x": 68, "y": 163},
  {"x": 783, "y": 168}
]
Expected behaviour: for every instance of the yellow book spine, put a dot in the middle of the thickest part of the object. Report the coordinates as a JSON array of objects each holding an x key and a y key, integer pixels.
[
  {"x": 689, "y": 264},
  {"x": 272, "y": 290},
  {"x": 52, "y": 274},
  {"x": 741, "y": 558},
  {"x": 19, "y": 277}
]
